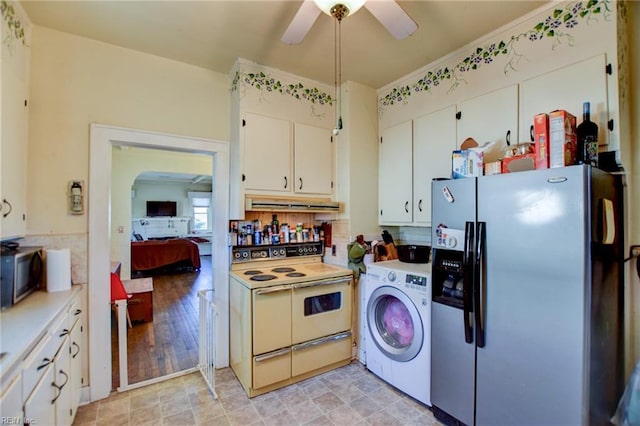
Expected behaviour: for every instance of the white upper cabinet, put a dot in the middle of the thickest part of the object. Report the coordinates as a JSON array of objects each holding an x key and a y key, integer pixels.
[
  {"x": 395, "y": 175},
  {"x": 567, "y": 88},
  {"x": 492, "y": 117},
  {"x": 434, "y": 139},
  {"x": 267, "y": 153},
  {"x": 313, "y": 160},
  {"x": 15, "y": 82}
]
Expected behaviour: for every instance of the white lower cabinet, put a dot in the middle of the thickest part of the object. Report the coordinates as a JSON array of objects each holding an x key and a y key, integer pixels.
[
  {"x": 39, "y": 408},
  {"x": 48, "y": 382},
  {"x": 11, "y": 400}
]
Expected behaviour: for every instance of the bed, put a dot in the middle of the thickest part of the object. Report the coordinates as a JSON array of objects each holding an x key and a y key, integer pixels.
[{"x": 153, "y": 254}]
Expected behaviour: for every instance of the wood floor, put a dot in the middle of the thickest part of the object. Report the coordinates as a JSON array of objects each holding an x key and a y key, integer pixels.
[{"x": 170, "y": 343}]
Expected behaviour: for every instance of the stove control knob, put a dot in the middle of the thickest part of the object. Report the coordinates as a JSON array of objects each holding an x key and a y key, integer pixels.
[{"x": 392, "y": 276}]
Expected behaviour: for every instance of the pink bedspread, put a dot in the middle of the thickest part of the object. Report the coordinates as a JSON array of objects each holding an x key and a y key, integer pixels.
[{"x": 147, "y": 255}]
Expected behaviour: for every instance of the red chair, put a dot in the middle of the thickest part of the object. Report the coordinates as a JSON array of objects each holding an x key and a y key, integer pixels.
[{"x": 118, "y": 292}]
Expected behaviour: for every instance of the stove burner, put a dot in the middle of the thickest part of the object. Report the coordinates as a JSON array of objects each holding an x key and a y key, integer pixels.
[
  {"x": 252, "y": 272},
  {"x": 263, "y": 277},
  {"x": 282, "y": 269},
  {"x": 296, "y": 274}
]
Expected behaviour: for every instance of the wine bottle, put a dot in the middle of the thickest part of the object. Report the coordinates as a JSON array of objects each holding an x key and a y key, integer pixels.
[
  {"x": 587, "y": 138},
  {"x": 275, "y": 224}
]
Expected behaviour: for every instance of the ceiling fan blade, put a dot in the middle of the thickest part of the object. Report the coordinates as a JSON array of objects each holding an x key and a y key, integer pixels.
[
  {"x": 301, "y": 23},
  {"x": 391, "y": 15}
]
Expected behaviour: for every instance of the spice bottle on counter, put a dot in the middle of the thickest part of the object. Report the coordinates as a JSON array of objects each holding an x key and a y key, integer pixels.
[{"x": 284, "y": 230}]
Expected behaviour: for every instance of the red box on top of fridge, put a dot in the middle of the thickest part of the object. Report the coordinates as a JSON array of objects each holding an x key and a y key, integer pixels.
[
  {"x": 541, "y": 138},
  {"x": 562, "y": 139}
]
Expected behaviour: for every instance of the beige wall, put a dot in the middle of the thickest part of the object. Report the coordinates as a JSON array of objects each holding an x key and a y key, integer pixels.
[{"x": 76, "y": 81}]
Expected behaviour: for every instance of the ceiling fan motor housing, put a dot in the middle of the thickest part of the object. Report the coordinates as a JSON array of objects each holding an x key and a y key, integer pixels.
[{"x": 339, "y": 11}]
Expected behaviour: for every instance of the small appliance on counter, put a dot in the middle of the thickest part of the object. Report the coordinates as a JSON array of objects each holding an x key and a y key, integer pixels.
[{"x": 21, "y": 272}]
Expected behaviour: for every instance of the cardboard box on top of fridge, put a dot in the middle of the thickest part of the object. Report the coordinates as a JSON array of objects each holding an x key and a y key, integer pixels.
[
  {"x": 470, "y": 160},
  {"x": 562, "y": 139},
  {"x": 519, "y": 163},
  {"x": 541, "y": 138}
]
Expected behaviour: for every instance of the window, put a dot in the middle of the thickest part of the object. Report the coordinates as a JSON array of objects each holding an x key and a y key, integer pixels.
[{"x": 200, "y": 211}]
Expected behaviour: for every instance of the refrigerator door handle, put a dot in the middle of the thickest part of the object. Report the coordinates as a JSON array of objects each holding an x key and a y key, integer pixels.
[
  {"x": 479, "y": 291},
  {"x": 467, "y": 281}
]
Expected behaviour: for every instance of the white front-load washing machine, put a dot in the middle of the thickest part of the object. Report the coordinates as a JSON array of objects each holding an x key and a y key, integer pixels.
[{"x": 398, "y": 323}]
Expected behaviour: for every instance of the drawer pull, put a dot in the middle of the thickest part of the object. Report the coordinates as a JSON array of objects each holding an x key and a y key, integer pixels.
[
  {"x": 66, "y": 380},
  {"x": 77, "y": 346},
  {"x": 45, "y": 362},
  {"x": 268, "y": 290},
  {"x": 323, "y": 282},
  {"x": 321, "y": 341},
  {"x": 272, "y": 354}
]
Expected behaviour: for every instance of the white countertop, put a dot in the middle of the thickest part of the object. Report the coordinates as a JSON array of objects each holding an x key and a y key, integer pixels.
[{"x": 24, "y": 324}]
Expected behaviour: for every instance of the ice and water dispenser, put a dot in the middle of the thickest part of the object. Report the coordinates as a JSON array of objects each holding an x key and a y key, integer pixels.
[{"x": 447, "y": 269}]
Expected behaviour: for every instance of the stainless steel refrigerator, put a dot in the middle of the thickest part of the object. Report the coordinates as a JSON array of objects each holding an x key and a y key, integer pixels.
[{"x": 527, "y": 325}]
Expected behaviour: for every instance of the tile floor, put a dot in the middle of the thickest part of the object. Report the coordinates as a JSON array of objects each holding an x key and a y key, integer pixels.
[{"x": 346, "y": 396}]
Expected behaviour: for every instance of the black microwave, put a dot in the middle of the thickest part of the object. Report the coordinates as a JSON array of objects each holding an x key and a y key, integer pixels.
[{"x": 21, "y": 273}]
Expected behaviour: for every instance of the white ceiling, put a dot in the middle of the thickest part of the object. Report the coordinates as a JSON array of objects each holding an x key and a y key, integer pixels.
[{"x": 213, "y": 33}]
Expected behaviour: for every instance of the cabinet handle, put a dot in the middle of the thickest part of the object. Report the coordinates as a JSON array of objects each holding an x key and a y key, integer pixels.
[
  {"x": 64, "y": 333},
  {"x": 77, "y": 346},
  {"x": 4, "y": 201},
  {"x": 272, "y": 354},
  {"x": 420, "y": 206},
  {"x": 321, "y": 341},
  {"x": 272, "y": 289},
  {"x": 66, "y": 380},
  {"x": 406, "y": 207},
  {"x": 508, "y": 137},
  {"x": 300, "y": 183},
  {"x": 323, "y": 282},
  {"x": 45, "y": 362},
  {"x": 286, "y": 183},
  {"x": 533, "y": 139},
  {"x": 77, "y": 312}
]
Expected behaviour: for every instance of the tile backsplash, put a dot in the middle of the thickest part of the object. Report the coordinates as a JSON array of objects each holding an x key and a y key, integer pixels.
[{"x": 78, "y": 245}]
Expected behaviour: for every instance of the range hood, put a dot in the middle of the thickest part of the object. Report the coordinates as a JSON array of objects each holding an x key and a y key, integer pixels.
[{"x": 299, "y": 205}]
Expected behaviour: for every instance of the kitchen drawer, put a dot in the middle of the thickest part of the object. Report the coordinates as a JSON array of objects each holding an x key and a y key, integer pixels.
[
  {"x": 320, "y": 353},
  {"x": 74, "y": 311},
  {"x": 271, "y": 368},
  {"x": 35, "y": 364}
]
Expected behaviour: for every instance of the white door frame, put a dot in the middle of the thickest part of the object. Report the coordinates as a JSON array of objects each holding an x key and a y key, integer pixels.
[{"x": 102, "y": 140}]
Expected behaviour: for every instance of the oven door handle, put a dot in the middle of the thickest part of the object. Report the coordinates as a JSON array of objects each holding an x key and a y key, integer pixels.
[
  {"x": 268, "y": 290},
  {"x": 323, "y": 282},
  {"x": 321, "y": 341},
  {"x": 274, "y": 354}
]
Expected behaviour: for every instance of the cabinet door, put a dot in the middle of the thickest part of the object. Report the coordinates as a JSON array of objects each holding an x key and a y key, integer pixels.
[
  {"x": 13, "y": 126},
  {"x": 434, "y": 139},
  {"x": 267, "y": 153},
  {"x": 63, "y": 384},
  {"x": 11, "y": 400},
  {"x": 492, "y": 117},
  {"x": 313, "y": 160},
  {"x": 567, "y": 88},
  {"x": 40, "y": 408},
  {"x": 395, "y": 175},
  {"x": 76, "y": 352}
]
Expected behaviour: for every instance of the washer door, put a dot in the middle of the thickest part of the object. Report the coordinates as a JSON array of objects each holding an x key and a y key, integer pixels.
[{"x": 394, "y": 324}]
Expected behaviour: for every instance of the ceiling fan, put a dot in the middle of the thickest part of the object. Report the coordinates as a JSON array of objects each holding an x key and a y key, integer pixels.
[{"x": 388, "y": 12}]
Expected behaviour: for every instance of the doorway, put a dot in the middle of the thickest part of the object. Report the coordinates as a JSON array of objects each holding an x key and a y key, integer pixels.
[
  {"x": 102, "y": 140},
  {"x": 163, "y": 248}
]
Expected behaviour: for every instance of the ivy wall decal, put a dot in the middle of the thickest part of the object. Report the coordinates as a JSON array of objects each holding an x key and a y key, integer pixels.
[
  {"x": 15, "y": 27},
  {"x": 265, "y": 82},
  {"x": 557, "y": 26}
]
